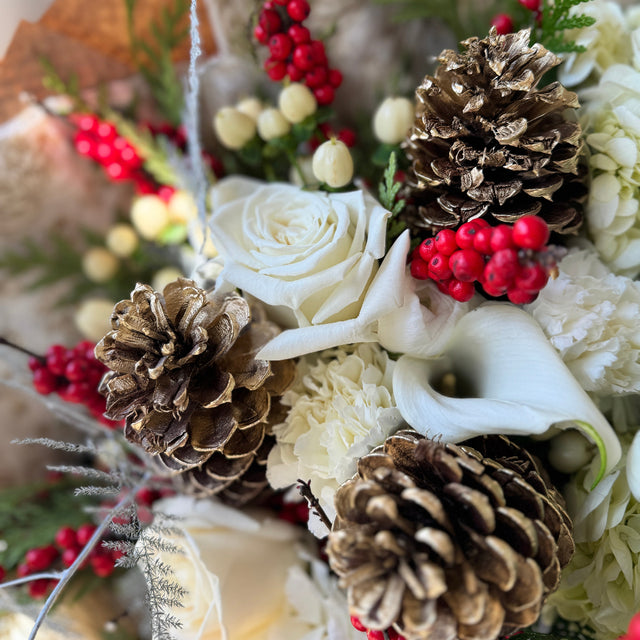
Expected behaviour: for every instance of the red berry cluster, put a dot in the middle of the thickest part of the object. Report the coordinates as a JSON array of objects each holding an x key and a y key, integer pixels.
[
  {"x": 503, "y": 259},
  {"x": 375, "y": 634},
  {"x": 633, "y": 633},
  {"x": 292, "y": 52},
  {"x": 346, "y": 135},
  {"x": 74, "y": 374},
  {"x": 68, "y": 545}
]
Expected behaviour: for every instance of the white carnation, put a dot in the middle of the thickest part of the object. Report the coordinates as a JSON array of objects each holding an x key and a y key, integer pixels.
[
  {"x": 341, "y": 407},
  {"x": 606, "y": 42},
  {"x": 591, "y": 317}
]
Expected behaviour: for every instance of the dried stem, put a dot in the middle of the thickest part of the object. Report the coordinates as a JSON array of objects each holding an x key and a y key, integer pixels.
[
  {"x": 17, "y": 347},
  {"x": 83, "y": 555},
  {"x": 47, "y": 575},
  {"x": 307, "y": 494}
]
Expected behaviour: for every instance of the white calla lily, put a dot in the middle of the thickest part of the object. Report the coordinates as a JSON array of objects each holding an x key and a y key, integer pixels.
[
  {"x": 516, "y": 383},
  {"x": 633, "y": 467}
]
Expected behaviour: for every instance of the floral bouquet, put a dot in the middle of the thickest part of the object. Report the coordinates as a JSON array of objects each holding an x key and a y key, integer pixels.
[{"x": 385, "y": 378}]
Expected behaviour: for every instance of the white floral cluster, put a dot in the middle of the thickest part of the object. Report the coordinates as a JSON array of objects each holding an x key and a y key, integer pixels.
[
  {"x": 341, "y": 408},
  {"x": 590, "y": 316},
  {"x": 611, "y": 63}
]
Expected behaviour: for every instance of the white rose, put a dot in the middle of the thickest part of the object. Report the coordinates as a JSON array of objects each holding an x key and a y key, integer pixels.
[
  {"x": 313, "y": 257},
  {"x": 234, "y": 566}
]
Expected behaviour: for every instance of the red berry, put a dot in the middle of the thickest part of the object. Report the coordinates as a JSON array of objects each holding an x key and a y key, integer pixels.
[
  {"x": 270, "y": 21},
  {"x": 324, "y": 94},
  {"x": 66, "y": 538},
  {"x": 466, "y": 234},
  {"x": 102, "y": 565},
  {"x": 420, "y": 269},
  {"x": 117, "y": 171},
  {"x": 84, "y": 533},
  {"x": 502, "y": 238},
  {"x": 57, "y": 357},
  {"x": 88, "y": 122},
  {"x": 280, "y": 46},
  {"x": 482, "y": 241},
  {"x": 70, "y": 555},
  {"x": 427, "y": 249},
  {"x": 375, "y": 634},
  {"x": 298, "y": 10},
  {"x": 76, "y": 370},
  {"x": 355, "y": 621},
  {"x": 461, "y": 291},
  {"x": 84, "y": 144},
  {"x": 394, "y": 635},
  {"x": 44, "y": 381},
  {"x": 446, "y": 242},
  {"x": 467, "y": 265},
  {"x": 481, "y": 222},
  {"x": 443, "y": 285},
  {"x": 503, "y": 266},
  {"x": 295, "y": 74},
  {"x": 146, "y": 496},
  {"x": 348, "y": 136},
  {"x": 106, "y": 131},
  {"x": 503, "y": 23},
  {"x": 23, "y": 570},
  {"x": 3, "y": 573},
  {"x": 40, "y": 558},
  {"x": 276, "y": 69},
  {"x": 85, "y": 349},
  {"x": 633, "y": 632},
  {"x": 532, "y": 5},
  {"x": 439, "y": 267},
  {"x": 317, "y": 47},
  {"x": 299, "y": 34},
  {"x": 518, "y": 296},
  {"x": 303, "y": 57},
  {"x": 76, "y": 392},
  {"x": 335, "y": 78},
  {"x": 35, "y": 363},
  {"x": 260, "y": 34},
  {"x": 531, "y": 278},
  {"x": 316, "y": 77},
  {"x": 38, "y": 588},
  {"x": 531, "y": 232}
]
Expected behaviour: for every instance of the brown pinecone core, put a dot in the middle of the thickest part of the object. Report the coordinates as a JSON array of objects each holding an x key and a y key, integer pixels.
[
  {"x": 487, "y": 143},
  {"x": 441, "y": 542}
]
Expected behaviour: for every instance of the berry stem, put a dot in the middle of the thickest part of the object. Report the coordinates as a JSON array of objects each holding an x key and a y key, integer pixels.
[
  {"x": 84, "y": 554},
  {"x": 17, "y": 347},
  {"x": 47, "y": 575},
  {"x": 314, "y": 503}
]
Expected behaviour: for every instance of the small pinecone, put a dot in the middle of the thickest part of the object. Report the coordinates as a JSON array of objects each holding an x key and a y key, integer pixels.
[
  {"x": 487, "y": 142},
  {"x": 185, "y": 378},
  {"x": 441, "y": 542}
]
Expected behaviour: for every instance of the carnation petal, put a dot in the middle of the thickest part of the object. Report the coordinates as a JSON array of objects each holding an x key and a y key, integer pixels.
[
  {"x": 518, "y": 385},
  {"x": 633, "y": 467}
]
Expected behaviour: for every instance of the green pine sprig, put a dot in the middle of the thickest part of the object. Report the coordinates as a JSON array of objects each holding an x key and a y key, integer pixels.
[
  {"x": 153, "y": 55},
  {"x": 388, "y": 193},
  {"x": 556, "y": 20}
]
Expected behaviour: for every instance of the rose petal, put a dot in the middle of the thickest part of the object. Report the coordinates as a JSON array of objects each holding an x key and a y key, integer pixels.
[{"x": 633, "y": 467}]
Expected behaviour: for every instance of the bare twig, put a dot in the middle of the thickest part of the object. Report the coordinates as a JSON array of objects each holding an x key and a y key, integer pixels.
[{"x": 305, "y": 491}]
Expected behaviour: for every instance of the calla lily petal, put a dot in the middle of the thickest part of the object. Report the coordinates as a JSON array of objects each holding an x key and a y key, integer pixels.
[
  {"x": 517, "y": 384},
  {"x": 633, "y": 467}
]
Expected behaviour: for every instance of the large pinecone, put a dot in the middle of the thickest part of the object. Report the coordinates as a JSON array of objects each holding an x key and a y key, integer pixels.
[
  {"x": 448, "y": 542},
  {"x": 185, "y": 378},
  {"x": 487, "y": 142}
]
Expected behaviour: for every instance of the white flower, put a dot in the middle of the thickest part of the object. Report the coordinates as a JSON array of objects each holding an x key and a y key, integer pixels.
[
  {"x": 613, "y": 136},
  {"x": 313, "y": 257},
  {"x": 591, "y": 317},
  {"x": 606, "y": 42},
  {"x": 242, "y": 572},
  {"x": 510, "y": 379},
  {"x": 341, "y": 407},
  {"x": 601, "y": 585}
]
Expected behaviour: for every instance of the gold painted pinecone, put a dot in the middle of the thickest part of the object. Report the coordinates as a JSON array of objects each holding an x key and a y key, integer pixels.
[
  {"x": 185, "y": 378},
  {"x": 448, "y": 542},
  {"x": 487, "y": 143}
]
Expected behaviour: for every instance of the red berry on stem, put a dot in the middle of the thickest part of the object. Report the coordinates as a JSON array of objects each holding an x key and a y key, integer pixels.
[
  {"x": 35, "y": 363},
  {"x": 85, "y": 349},
  {"x": 531, "y": 278},
  {"x": 482, "y": 241},
  {"x": 76, "y": 392},
  {"x": 3, "y": 573},
  {"x": 394, "y": 635},
  {"x": 506, "y": 266},
  {"x": 419, "y": 269},
  {"x": 348, "y": 136},
  {"x": 466, "y": 234},
  {"x": 280, "y": 46},
  {"x": 299, "y": 34},
  {"x": 531, "y": 232},
  {"x": 335, "y": 78},
  {"x": 44, "y": 381},
  {"x": 317, "y": 46},
  {"x": 77, "y": 369},
  {"x": 298, "y": 10},
  {"x": 57, "y": 358},
  {"x": 276, "y": 69},
  {"x": 295, "y": 74},
  {"x": 303, "y": 57},
  {"x": 88, "y": 122},
  {"x": 260, "y": 34},
  {"x": 427, "y": 249},
  {"x": 467, "y": 265},
  {"x": 375, "y": 634},
  {"x": 70, "y": 555},
  {"x": 439, "y": 267},
  {"x": 502, "y": 238},
  {"x": 446, "y": 242},
  {"x": 461, "y": 291},
  {"x": 66, "y": 538},
  {"x": 518, "y": 296},
  {"x": 40, "y": 558},
  {"x": 102, "y": 565},
  {"x": 532, "y": 5},
  {"x": 84, "y": 533},
  {"x": 633, "y": 632},
  {"x": 270, "y": 21},
  {"x": 503, "y": 23},
  {"x": 324, "y": 94},
  {"x": 38, "y": 588},
  {"x": 355, "y": 621},
  {"x": 316, "y": 77},
  {"x": 106, "y": 131},
  {"x": 23, "y": 570}
]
